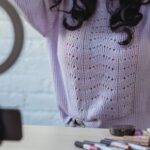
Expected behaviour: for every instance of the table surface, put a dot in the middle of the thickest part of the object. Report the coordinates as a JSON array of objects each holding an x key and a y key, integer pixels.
[{"x": 54, "y": 138}]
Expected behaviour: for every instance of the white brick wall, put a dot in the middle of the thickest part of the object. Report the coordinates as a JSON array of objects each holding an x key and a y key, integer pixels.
[{"x": 27, "y": 85}]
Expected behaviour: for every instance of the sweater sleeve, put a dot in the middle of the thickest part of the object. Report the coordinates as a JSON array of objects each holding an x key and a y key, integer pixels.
[{"x": 37, "y": 13}]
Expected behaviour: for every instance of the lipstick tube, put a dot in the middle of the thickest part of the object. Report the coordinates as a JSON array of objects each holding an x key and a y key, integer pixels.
[{"x": 116, "y": 144}]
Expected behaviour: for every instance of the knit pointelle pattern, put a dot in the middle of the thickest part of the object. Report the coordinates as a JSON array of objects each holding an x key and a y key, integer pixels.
[
  {"x": 100, "y": 77},
  {"x": 96, "y": 80}
]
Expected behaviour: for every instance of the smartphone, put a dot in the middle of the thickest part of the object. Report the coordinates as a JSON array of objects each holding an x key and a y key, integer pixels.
[{"x": 10, "y": 124}]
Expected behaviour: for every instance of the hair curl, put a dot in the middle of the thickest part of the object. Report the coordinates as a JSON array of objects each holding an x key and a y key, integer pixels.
[{"x": 122, "y": 19}]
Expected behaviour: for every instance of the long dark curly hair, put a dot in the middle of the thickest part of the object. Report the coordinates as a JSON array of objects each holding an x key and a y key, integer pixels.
[{"x": 124, "y": 17}]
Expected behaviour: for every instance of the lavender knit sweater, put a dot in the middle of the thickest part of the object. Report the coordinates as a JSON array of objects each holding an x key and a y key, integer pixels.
[{"x": 96, "y": 80}]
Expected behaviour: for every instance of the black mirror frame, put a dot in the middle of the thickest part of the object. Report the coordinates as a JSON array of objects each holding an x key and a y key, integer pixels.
[{"x": 19, "y": 36}]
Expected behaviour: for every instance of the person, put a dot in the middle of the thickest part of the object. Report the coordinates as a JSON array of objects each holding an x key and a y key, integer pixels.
[{"x": 100, "y": 58}]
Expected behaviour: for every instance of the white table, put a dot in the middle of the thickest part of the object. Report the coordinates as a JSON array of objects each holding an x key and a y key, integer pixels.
[{"x": 53, "y": 138}]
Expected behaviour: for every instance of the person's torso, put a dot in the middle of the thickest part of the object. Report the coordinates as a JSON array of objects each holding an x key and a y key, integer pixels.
[{"x": 102, "y": 78}]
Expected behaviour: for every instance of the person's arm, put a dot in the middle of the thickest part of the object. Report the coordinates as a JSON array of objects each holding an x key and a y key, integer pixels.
[{"x": 37, "y": 13}]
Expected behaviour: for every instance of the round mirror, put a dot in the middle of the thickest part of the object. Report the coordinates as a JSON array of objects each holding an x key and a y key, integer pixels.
[{"x": 14, "y": 31}]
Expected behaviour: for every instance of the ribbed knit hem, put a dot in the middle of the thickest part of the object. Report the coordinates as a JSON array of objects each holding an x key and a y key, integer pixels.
[{"x": 139, "y": 120}]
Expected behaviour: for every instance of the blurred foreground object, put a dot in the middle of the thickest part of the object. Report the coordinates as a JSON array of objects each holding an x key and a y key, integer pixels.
[{"x": 10, "y": 124}]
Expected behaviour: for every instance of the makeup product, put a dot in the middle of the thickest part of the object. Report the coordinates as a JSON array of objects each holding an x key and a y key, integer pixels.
[
  {"x": 116, "y": 144},
  {"x": 102, "y": 146},
  {"x": 85, "y": 146},
  {"x": 148, "y": 130},
  {"x": 138, "y": 147},
  {"x": 121, "y": 130},
  {"x": 138, "y": 132},
  {"x": 141, "y": 140}
]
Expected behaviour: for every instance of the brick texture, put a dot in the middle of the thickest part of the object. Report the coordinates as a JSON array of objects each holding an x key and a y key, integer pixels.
[{"x": 27, "y": 85}]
